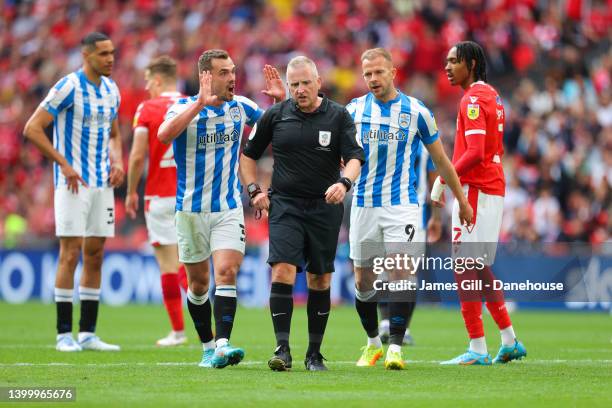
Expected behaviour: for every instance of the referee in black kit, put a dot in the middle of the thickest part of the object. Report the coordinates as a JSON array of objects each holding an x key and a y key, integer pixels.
[{"x": 309, "y": 135}]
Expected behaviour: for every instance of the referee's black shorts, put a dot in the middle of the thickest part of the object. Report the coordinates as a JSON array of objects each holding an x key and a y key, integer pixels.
[{"x": 304, "y": 232}]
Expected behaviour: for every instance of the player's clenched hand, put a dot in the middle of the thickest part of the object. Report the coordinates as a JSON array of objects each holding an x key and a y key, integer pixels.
[
  {"x": 261, "y": 201},
  {"x": 117, "y": 175},
  {"x": 131, "y": 204},
  {"x": 466, "y": 214},
  {"x": 274, "y": 84},
  {"x": 335, "y": 193},
  {"x": 206, "y": 97},
  {"x": 72, "y": 178}
]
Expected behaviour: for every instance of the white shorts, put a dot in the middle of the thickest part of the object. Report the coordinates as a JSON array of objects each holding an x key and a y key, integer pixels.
[
  {"x": 480, "y": 239},
  {"x": 200, "y": 234},
  {"x": 421, "y": 233},
  {"x": 159, "y": 216},
  {"x": 384, "y": 229},
  {"x": 89, "y": 213}
]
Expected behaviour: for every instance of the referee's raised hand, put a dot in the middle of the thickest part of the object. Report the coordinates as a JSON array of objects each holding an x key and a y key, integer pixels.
[
  {"x": 274, "y": 84},
  {"x": 206, "y": 96}
]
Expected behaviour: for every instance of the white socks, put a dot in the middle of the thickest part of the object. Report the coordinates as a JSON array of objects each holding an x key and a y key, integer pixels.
[
  {"x": 375, "y": 341},
  {"x": 209, "y": 346},
  {"x": 478, "y": 345},
  {"x": 507, "y": 336},
  {"x": 395, "y": 348}
]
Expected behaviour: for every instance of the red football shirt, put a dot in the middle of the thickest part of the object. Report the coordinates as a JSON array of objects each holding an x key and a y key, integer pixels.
[
  {"x": 161, "y": 177},
  {"x": 481, "y": 112}
]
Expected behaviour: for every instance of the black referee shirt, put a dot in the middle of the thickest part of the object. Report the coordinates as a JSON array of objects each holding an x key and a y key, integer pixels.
[{"x": 307, "y": 147}]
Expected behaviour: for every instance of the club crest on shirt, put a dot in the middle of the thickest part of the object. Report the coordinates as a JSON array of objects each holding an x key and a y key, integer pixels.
[
  {"x": 324, "y": 138},
  {"x": 235, "y": 113},
  {"x": 404, "y": 120},
  {"x": 473, "y": 111}
]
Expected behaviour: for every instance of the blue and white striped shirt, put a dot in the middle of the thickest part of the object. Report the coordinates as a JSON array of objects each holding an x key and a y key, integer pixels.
[
  {"x": 206, "y": 154},
  {"x": 83, "y": 113},
  {"x": 390, "y": 134}
]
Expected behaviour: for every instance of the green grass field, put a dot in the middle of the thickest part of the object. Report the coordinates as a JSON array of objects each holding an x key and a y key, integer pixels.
[{"x": 569, "y": 362}]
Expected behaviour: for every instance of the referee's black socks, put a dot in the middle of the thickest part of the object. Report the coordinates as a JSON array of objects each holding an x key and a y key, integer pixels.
[
  {"x": 318, "y": 308},
  {"x": 281, "y": 309}
]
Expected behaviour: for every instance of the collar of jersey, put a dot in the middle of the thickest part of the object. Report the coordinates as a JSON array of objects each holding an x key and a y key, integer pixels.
[
  {"x": 388, "y": 103},
  {"x": 321, "y": 108},
  {"x": 82, "y": 74}
]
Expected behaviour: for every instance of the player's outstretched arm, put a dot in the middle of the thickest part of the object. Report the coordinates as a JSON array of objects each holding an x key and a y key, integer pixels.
[
  {"x": 138, "y": 154},
  {"x": 34, "y": 131},
  {"x": 274, "y": 84},
  {"x": 447, "y": 171},
  {"x": 172, "y": 127}
]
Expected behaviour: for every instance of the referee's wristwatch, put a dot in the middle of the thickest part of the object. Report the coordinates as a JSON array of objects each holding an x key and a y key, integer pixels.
[
  {"x": 346, "y": 182},
  {"x": 253, "y": 189}
]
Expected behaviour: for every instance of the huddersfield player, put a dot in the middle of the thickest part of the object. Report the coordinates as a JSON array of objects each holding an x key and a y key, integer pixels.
[
  {"x": 429, "y": 230},
  {"x": 477, "y": 160},
  {"x": 206, "y": 131},
  {"x": 160, "y": 190},
  {"x": 87, "y": 166},
  {"x": 390, "y": 126}
]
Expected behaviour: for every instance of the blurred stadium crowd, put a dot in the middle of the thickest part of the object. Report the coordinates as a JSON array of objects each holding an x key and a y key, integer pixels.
[{"x": 551, "y": 61}]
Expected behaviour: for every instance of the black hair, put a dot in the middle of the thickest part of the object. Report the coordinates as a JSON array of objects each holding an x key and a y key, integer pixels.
[
  {"x": 470, "y": 51},
  {"x": 91, "y": 39}
]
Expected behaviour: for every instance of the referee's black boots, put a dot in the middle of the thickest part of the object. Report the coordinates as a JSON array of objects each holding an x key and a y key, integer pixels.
[
  {"x": 281, "y": 360},
  {"x": 314, "y": 362}
]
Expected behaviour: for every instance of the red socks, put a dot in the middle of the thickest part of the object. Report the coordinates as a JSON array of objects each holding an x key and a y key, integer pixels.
[
  {"x": 471, "y": 303},
  {"x": 171, "y": 293},
  {"x": 494, "y": 299},
  {"x": 472, "y": 316},
  {"x": 182, "y": 277}
]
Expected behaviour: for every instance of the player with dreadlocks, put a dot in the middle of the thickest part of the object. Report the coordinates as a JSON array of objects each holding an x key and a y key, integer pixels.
[{"x": 478, "y": 161}]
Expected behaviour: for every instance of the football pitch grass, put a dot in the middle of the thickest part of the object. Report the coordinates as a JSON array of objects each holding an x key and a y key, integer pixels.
[{"x": 569, "y": 362}]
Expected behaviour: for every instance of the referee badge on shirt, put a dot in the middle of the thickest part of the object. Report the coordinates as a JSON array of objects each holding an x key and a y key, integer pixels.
[
  {"x": 404, "y": 120},
  {"x": 473, "y": 111},
  {"x": 324, "y": 138},
  {"x": 235, "y": 113}
]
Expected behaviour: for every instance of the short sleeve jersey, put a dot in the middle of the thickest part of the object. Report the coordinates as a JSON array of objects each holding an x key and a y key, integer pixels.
[{"x": 83, "y": 114}]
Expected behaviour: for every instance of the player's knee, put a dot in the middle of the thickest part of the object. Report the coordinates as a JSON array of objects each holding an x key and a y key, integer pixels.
[
  {"x": 70, "y": 255},
  {"x": 318, "y": 282},
  {"x": 361, "y": 284},
  {"x": 283, "y": 273},
  {"x": 93, "y": 253},
  {"x": 225, "y": 273},
  {"x": 199, "y": 286}
]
